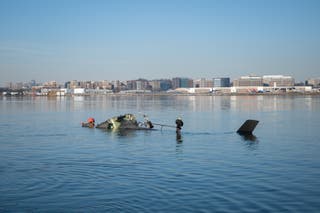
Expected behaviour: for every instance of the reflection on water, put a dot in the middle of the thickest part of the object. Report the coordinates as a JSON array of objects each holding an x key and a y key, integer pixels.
[
  {"x": 179, "y": 137},
  {"x": 179, "y": 149},
  {"x": 249, "y": 137},
  {"x": 144, "y": 103},
  {"x": 123, "y": 133},
  {"x": 251, "y": 145},
  {"x": 246, "y": 103}
]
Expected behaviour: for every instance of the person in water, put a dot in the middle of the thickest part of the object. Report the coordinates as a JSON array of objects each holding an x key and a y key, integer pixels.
[
  {"x": 179, "y": 124},
  {"x": 147, "y": 122},
  {"x": 90, "y": 123}
]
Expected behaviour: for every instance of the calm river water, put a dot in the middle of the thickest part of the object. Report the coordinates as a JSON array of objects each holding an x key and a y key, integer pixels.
[{"x": 48, "y": 162}]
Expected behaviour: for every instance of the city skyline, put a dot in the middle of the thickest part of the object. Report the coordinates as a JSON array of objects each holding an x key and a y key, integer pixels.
[
  {"x": 121, "y": 40},
  {"x": 268, "y": 84},
  {"x": 222, "y": 81},
  {"x": 157, "y": 79}
]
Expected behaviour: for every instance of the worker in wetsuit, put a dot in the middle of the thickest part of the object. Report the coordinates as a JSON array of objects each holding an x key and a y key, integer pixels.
[
  {"x": 179, "y": 124},
  {"x": 147, "y": 122},
  {"x": 90, "y": 123}
]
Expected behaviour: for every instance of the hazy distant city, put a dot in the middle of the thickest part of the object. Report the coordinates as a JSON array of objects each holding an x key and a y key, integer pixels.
[{"x": 268, "y": 84}]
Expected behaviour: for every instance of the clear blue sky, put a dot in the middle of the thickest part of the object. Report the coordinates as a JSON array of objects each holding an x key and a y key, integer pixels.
[{"x": 103, "y": 39}]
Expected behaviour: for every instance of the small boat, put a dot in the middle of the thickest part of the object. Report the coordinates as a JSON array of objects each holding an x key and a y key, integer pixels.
[{"x": 126, "y": 122}]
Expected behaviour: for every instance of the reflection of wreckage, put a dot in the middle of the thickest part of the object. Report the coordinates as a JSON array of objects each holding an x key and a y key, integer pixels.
[{"x": 126, "y": 121}]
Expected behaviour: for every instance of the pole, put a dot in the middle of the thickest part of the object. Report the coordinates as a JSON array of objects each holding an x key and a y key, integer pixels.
[{"x": 162, "y": 125}]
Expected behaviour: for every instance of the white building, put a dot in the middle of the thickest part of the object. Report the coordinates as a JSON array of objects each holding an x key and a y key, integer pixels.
[
  {"x": 315, "y": 82},
  {"x": 248, "y": 81},
  {"x": 79, "y": 91},
  {"x": 278, "y": 80}
]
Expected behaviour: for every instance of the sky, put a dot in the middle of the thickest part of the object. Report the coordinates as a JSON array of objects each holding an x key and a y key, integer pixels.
[{"x": 65, "y": 40}]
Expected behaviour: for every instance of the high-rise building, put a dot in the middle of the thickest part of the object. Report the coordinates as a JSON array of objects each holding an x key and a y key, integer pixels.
[
  {"x": 315, "y": 82},
  {"x": 131, "y": 85},
  {"x": 278, "y": 81},
  {"x": 221, "y": 82},
  {"x": 155, "y": 85},
  {"x": 245, "y": 81},
  {"x": 165, "y": 84},
  {"x": 74, "y": 84},
  {"x": 50, "y": 84},
  {"x": 33, "y": 83},
  {"x": 11, "y": 85},
  {"x": 182, "y": 83},
  {"x": 175, "y": 83},
  {"x": 105, "y": 84},
  {"x": 203, "y": 83},
  {"x": 117, "y": 84},
  {"x": 142, "y": 84},
  {"x": 161, "y": 84}
]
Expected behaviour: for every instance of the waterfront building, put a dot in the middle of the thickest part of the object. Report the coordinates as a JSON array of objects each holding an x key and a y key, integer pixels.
[
  {"x": 175, "y": 83},
  {"x": 84, "y": 84},
  {"x": 14, "y": 86},
  {"x": 81, "y": 84},
  {"x": 79, "y": 91},
  {"x": 116, "y": 84},
  {"x": 245, "y": 81},
  {"x": 186, "y": 82},
  {"x": 131, "y": 85},
  {"x": 8, "y": 85},
  {"x": 203, "y": 83},
  {"x": 155, "y": 85},
  {"x": 142, "y": 84},
  {"x": 278, "y": 81},
  {"x": 160, "y": 84},
  {"x": 221, "y": 82},
  {"x": 196, "y": 83},
  {"x": 67, "y": 85},
  {"x": 182, "y": 83},
  {"x": 33, "y": 83},
  {"x": 314, "y": 82},
  {"x": 104, "y": 84},
  {"x": 50, "y": 84},
  {"x": 19, "y": 85},
  {"x": 73, "y": 84},
  {"x": 165, "y": 84}
]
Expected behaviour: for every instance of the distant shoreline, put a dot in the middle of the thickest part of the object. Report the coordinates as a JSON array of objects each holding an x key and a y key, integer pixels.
[{"x": 169, "y": 94}]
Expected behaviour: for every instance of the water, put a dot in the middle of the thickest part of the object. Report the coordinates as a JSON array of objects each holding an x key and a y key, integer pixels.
[{"x": 48, "y": 162}]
